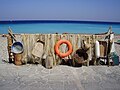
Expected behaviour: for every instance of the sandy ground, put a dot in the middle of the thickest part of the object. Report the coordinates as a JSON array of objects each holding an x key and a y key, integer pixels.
[
  {"x": 36, "y": 77},
  {"x": 32, "y": 77}
]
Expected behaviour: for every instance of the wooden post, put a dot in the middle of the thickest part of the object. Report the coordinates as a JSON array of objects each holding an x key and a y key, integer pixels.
[
  {"x": 94, "y": 39},
  {"x": 108, "y": 52},
  {"x": 109, "y": 46},
  {"x": 89, "y": 54},
  {"x": 10, "y": 42},
  {"x": 10, "y": 38}
]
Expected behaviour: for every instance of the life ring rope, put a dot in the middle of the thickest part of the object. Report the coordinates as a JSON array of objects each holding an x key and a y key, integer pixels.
[{"x": 57, "y": 45}]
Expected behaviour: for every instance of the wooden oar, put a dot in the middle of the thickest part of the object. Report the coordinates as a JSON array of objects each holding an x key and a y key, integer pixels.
[{"x": 11, "y": 34}]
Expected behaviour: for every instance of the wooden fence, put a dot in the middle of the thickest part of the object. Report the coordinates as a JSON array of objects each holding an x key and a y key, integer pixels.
[{"x": 50, "y": 40}]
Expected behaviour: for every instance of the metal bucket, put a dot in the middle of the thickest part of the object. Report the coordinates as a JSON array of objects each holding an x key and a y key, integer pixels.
[
  {"x": 18, "y": 59},
  {"x": 17, "y": 47}
]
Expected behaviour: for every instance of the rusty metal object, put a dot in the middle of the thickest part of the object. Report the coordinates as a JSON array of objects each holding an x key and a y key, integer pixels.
[{"x": 18, "y": 59}]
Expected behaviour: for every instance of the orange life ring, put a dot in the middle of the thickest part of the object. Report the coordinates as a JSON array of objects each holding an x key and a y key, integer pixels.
[{"x": 62, "y": 55}]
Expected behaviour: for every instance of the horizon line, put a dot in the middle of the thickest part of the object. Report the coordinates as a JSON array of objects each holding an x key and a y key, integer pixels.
[{"x": 57, "y": 21}]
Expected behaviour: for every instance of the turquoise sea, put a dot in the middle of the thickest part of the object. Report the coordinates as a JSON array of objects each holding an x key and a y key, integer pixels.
[{"x": 56, "y": 26}]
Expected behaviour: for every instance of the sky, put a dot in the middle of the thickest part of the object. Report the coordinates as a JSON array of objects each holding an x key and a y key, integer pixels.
[{"x": 85, "y": 10}]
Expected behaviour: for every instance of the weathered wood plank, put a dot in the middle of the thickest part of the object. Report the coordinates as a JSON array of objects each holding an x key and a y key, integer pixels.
[{"x": 49, "y": 42}]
